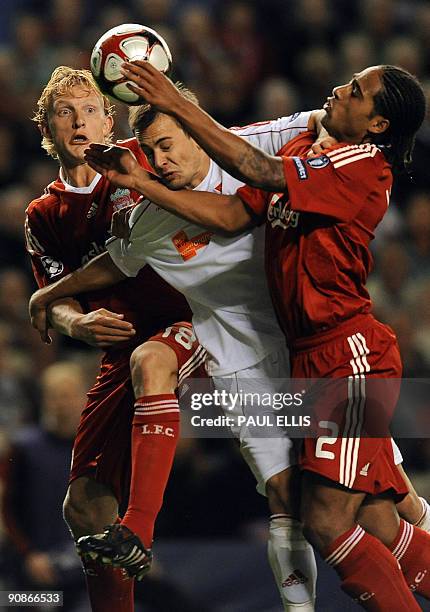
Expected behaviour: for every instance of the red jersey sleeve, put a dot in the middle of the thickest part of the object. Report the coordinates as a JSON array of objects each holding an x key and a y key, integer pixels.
[
  {"x": 338, "y": 183},
  {"x": 42, "y": 243},
  {"x": 255, "y": 199}
]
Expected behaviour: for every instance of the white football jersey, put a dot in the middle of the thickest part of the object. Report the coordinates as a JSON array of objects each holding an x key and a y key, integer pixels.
[{"x": 222, "y": 278}]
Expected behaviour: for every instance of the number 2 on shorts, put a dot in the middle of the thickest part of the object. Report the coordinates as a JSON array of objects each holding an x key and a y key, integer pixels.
[{"x": 333, "y": 427}]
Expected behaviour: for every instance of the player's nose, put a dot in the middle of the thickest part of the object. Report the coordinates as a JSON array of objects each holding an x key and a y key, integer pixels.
[
  {"x": 337, "y": 91},
  {"x": 78, "y": 120},
  {"x": 159, "y": 159}
]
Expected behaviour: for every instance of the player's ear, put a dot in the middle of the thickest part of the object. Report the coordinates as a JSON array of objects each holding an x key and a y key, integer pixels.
[
  {"x": 378, "y": 124},
  {"x": 108, "y": 125},
  {"x": 44, "y": 130}
]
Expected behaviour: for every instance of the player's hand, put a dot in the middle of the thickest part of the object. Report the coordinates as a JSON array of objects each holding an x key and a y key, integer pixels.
[
  {"x": 38, "y": 304},
  {"x": 152, "y": 85},
  {"x": 117, "y": 164},
  {"x": 323, "y": 142},
  {"x": 102, "y": 328},
  {"x": 119, "y": 226}
]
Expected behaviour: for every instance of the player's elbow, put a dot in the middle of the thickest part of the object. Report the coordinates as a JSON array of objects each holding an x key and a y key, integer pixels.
[{"x": 234, "y": 221}]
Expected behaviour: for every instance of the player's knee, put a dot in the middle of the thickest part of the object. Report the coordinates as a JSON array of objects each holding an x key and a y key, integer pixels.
[
  {"x": 148, "y": 360},
  {"x": 153, "y": 364},
  {"x": 277, "y": 494},
  {"x": 283, "y": 493},
  {"x": 317, "y": 530}
]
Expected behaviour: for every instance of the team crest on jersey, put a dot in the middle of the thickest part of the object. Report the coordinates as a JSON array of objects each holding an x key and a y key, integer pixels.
[
  {"x": 318, "y": 162},
  {"x": 52, "y": 267},
  {"x": 279, "y": 214},
  {"x": 121, "y": 198}
]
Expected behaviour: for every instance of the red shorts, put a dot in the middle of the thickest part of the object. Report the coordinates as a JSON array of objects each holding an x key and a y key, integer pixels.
[
  {"x": 103, "y": 441},
  {"x": 353, "y": 410}
]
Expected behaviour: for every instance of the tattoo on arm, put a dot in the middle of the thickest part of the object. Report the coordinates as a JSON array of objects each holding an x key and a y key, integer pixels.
[{"x": 261, "y": 170}]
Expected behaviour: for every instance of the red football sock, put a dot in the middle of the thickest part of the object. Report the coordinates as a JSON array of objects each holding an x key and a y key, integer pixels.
[
  {"x": 412, "y": 550},
  {"x": 109, "y": 589},
  {"x": 155, "y": 434},
  {"x": 369, "y": 573}
]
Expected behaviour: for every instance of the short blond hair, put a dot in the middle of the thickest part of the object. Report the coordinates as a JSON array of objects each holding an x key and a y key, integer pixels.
[
  {"x": 140, "y": 117},
  {"x": 61, "y": 82}
]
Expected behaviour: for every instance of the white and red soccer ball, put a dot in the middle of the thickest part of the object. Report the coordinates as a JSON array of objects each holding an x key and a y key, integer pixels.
[{"x": 129, "y": 41}]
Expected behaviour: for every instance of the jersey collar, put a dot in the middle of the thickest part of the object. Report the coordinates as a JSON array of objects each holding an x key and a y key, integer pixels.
[{"x": 88, "y": 189}]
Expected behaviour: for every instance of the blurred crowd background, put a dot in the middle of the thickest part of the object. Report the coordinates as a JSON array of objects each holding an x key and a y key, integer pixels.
[{"x": 246, "y": 61}]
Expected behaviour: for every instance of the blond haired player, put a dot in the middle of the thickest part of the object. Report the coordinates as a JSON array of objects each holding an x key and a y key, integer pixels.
[{"x": 142, "y": 322}]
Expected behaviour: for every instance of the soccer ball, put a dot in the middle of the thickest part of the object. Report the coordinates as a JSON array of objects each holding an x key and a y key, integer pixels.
[{"x": 129, "y": 41}]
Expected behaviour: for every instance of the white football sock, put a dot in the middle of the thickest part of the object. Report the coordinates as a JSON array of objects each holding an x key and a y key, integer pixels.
[
  {"x": 293, "y": 563},
  {"x": 424, "y": 522}
]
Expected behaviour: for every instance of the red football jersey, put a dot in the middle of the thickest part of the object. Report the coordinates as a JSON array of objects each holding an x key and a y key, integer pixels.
[
  {"x": 318, "y": 233},
  {"x": 66, "y": 227}
]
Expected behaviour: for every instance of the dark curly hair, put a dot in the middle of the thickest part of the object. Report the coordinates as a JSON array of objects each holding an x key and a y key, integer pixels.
[{"x": 402, "y": 101}]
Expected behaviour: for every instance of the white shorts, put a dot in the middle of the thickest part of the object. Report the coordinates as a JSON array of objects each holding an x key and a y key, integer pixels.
[
  {"x": 269, "y": 454},
  {"x": 398, "y": 458}
]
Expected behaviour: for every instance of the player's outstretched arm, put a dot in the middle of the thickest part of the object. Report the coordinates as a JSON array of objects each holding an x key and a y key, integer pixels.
[
  {"x": 98, "y": 273},
  {"x": 241, "y": 159},
  {"x": 217, "y": 212},
  {"x": 220, "y": 213}
]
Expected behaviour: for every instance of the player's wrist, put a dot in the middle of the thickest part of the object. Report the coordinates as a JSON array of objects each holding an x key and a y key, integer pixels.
[
  {"x": 315, "y": 119},
  {"x": 72, "y": 325},
  {"x": 140, "y": 180},
  {"x": 181, "y": 107}
]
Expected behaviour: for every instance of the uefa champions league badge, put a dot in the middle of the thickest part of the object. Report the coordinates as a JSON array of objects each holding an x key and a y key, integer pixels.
[
  {"x": 121, "y": 198},
  {"x": 52, "y": 266},
  {"x": 318, "y": 162}
]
